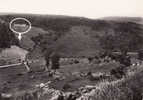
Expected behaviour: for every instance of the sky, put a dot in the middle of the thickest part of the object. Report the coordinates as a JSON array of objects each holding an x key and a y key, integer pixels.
[{"x": 82, "y": 8}]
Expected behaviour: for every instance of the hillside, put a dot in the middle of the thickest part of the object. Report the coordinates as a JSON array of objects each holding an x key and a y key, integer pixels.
[
  {"x": 77, "y": 36},
  {"x": 77, "y": 78},
  {"x": 137, "y": 20}
]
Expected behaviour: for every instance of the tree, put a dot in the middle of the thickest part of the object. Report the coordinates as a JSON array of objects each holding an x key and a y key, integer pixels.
[
  {"x": 46, "y": 43},
  {"x": 7, "y": 38},
  {"x": 140, "y": 54},
  {"x": 55, "y": 57},
  {"x": 107, "y": 43},
  {"x": 126, "y": 37}
]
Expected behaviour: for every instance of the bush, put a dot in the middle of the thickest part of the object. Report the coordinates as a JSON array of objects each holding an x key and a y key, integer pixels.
[
  {"x": 118, "y": 72},
  {"x": 2, "y": 62}
]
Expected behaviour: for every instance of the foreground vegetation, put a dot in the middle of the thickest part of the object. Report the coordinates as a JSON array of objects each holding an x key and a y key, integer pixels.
[{"x": 129, "y": 87}]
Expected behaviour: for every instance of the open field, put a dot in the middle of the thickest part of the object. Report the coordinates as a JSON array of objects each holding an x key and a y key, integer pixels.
[
  {"x": 16, "y": 77},
  {"x": 14, "y": 80}
]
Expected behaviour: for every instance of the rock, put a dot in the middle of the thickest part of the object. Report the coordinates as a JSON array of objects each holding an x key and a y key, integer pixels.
[
  {"x": 20, "y": 74},
  {"x": 79, "y": 74},
  {"x": 59, "y": 77},
  {"x": 6, "y": 95},
  {"x": 87, "y": 96},
  {"x": 90, "y": 87},
  {"x": 54, "y": 97},
  {"x": 97, "y": 74},
  {"x": 60, "y": 97},
  {"x": 86, "y": 89},
  {"x": 94, "y": 76},
  {"x": 32, "y": 77},
  {"x": 71, "y": 97},
  {"x": 42, "y": 85},
  {"x": 66, "y": 86}
]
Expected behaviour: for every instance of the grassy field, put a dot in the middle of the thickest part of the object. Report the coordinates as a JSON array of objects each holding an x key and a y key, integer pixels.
[
  {"x": 16, "y": 80},
  {"x": 12, "y": 77}
]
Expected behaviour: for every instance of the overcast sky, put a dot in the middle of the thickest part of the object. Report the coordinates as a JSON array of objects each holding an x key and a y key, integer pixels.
[{"x": 84, "y": 8}]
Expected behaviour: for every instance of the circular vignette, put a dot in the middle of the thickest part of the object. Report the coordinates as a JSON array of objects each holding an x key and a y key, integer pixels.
[{"x": 19, "y": 18}]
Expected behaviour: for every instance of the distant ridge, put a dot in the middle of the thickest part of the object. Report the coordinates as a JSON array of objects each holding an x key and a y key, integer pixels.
[{"x": 138, "y": 20}]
